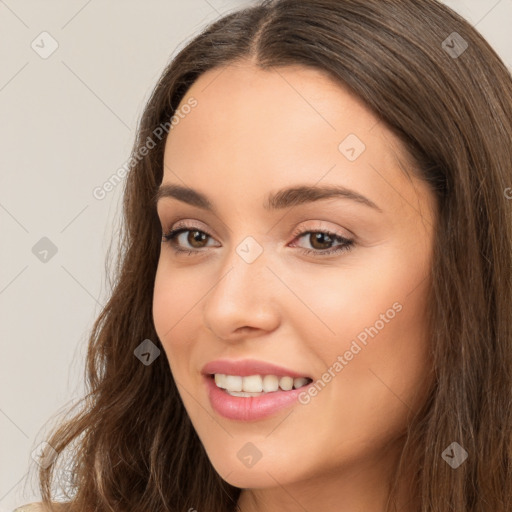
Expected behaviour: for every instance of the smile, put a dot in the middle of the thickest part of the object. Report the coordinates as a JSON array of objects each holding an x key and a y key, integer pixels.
[{"x": 229, "y": 397}]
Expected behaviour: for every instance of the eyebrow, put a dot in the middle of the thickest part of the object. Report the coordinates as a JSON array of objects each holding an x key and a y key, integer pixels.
[{"x": 284, "y": 198}]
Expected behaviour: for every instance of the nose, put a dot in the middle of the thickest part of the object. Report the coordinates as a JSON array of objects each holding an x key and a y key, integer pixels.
[{"x": 242, "y": 301}]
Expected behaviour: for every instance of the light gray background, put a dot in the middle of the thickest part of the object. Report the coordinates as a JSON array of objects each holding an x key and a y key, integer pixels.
[{"x": 67, "y": 124}]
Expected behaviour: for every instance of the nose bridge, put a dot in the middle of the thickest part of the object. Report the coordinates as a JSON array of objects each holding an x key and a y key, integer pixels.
[
  {"x": 243, "y": 274},
  {"x": 241, "y": 296}
]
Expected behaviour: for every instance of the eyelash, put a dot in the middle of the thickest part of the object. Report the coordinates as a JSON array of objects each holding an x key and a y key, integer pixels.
[{"x": 347, "y": 244}]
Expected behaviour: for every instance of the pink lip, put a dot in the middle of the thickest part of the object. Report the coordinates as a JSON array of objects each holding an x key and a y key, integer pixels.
[
  {"x": 246, "y": 367},
  {"x": 249, "y": 408}
]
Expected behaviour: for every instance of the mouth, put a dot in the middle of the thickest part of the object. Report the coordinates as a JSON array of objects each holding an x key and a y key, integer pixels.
[
  {"x": 253, "y": 397},
  {"x": 257, "y": 385}
]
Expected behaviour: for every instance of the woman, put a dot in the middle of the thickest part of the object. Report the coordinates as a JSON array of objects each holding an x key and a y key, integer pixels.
[{"x": 313, "y": 304}]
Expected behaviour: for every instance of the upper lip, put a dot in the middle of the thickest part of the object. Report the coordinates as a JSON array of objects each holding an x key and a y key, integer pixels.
[{"x": 246, "y": 367}]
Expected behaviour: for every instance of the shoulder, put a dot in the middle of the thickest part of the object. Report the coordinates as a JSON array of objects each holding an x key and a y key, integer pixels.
[
  {"x": 30, "y": 507},
  {"x": 38, "y": 507}
]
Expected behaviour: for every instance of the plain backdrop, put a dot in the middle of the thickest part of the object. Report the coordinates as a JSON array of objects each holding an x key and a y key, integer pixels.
[{"x": 74, "y": 78}]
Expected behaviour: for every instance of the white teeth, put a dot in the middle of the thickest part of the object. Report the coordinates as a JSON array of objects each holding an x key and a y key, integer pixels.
[
  {"x": 242, "y": 393},
  {"x": 252, "y": 384},
  {"x": 299, "y": 382},
  {"x": 233, "y": 382},
  {"x": 255, "y": 385},
  {"x": 270, "y": 383},
  {"x": 286, "y": 383}
]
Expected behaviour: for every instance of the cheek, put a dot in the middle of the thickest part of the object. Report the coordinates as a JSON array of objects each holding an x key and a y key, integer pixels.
[
  {"x": 342, "y": 302},
  {"x": 164, "y": 304},
  {"x": 173, "y": 300},
  {"x": 373, "y": 373},
  {"x": 372, "y": 315},
  {"x": 175, "y": 292}
]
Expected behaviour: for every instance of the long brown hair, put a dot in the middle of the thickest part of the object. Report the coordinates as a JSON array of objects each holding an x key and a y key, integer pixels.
[{"x": 439, "y": 86}]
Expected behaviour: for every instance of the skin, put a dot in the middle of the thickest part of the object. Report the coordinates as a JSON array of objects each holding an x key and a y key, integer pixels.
[{"x": 252, "y": 133}]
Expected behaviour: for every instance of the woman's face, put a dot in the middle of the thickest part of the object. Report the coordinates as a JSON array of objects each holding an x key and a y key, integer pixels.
[{"x": 260, "y": 283}]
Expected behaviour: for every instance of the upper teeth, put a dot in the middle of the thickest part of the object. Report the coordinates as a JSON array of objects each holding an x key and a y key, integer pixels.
[{"x": 258, "y": 383}]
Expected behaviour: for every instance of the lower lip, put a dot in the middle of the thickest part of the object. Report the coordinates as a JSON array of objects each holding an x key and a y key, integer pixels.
[{"x": 249, "y": 408}]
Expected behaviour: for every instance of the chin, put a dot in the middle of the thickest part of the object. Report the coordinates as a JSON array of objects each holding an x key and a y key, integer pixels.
[{"x": 262, "y": 474}]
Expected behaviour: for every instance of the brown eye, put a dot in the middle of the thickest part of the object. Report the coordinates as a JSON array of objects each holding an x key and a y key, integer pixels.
[
  {"x": 187, "y": 240},
  {"x": 320, "y": 240},
  {"x": 195, "y": 238}
]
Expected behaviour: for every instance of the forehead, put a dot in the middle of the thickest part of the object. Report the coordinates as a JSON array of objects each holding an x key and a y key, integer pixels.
[
  {"x": 258, "y": 130},
  {"x": 274, "y": 107}
]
